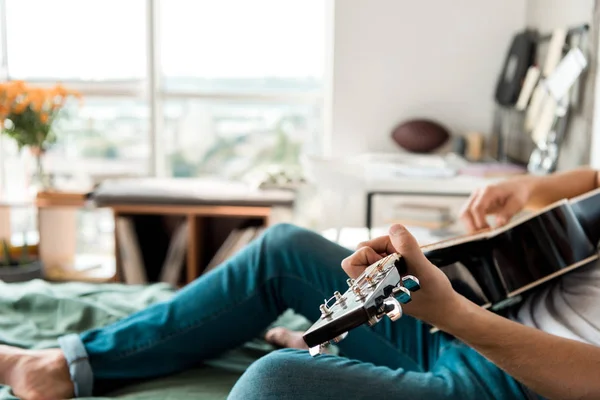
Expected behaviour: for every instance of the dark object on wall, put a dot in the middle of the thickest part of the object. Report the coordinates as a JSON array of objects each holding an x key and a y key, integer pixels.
[
  {"x": 520, "y": 57},
  {"x": 420, "y": 135}
]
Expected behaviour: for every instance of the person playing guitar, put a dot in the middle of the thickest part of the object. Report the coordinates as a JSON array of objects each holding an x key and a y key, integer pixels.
[{"x": 549, "y": 349}]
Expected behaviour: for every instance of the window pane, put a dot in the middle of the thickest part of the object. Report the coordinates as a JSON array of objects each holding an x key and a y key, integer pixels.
[
  {"x": 103, "y": 137},
  {"x": 74, "y": 39},
  {"x": 241, "y": 45},
  {"x": 232, "y": 139}
]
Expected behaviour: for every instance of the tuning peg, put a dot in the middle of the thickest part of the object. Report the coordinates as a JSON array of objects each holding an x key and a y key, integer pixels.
[
  {"x": 350, "y": 282},
  {"x": 358, "y": 293},
  {"x": 402, "y": 294},
  {"x": 392, "y": 308},
  {"x": 316, "y": 350},
  {"x": 411, "y": 283},
  {"x": 370, "y": 281},
  {"x": 339, "y": 299},
  {"x": 325, "y": 311},
  {"x": 339, "y": 338}
]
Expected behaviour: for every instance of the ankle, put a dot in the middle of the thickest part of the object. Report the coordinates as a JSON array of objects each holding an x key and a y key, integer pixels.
[{"x": 8, "y": 363}]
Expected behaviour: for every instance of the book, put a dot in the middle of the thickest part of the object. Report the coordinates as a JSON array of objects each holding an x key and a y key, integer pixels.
[
  {"x": 223, "y": 251},
  {"x": 173, "y": 264},
  {"x": 129, "y": 250},
  {"x": 423, "y": 215},
  {"x": 237, "y": 239},
  {"x": 246, "y": 237}
]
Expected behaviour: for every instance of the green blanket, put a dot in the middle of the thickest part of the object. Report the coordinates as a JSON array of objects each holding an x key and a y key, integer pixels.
[{"x": 36, "y": 313}]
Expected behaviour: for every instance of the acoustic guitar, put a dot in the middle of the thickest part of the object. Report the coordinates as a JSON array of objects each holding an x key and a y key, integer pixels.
[{"x": 494, "y": 269}]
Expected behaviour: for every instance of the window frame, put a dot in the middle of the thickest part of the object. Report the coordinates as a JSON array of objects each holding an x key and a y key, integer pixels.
[{"x": 151, "y": 90}]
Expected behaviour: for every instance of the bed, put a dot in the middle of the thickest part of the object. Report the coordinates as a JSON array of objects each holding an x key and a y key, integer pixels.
[{"x": 34, "y": 314}]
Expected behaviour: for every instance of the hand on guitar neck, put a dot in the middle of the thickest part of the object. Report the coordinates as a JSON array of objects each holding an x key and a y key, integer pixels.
[{"x": 435, "y": 301}]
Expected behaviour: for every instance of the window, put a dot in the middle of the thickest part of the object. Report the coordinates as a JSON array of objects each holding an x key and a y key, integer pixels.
[
  {"x": 92, "y": 40},
  {"x": 108, "y": 137},
  {"x": 236, "y": 138},
  {"x": 237, "y": 46},
  {"x": 240, "y": 83},
  {"x": 243, "y": 83}
]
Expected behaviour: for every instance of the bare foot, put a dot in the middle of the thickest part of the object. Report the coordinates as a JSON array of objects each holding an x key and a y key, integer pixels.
[
  {"x": 35, "y": 374},
  {"x": 284, "y": 337}
]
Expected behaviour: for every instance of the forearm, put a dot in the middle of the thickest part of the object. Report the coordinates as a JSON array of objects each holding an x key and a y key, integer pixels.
[
  {"x": 553, "y": 367},
  {"x": 548, "y": 189}
]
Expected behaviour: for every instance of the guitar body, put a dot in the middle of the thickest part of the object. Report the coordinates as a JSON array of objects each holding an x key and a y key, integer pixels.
[
  {"x": 517, "y": 259},
  {"x": 492, "y": 269}
]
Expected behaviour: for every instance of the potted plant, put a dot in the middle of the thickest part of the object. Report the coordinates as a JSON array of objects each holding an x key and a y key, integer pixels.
[
  {"x": 28, "y": 114},
  {"x": 18, "y": 269}
]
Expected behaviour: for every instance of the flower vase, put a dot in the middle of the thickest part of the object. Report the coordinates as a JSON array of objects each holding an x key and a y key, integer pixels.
[{"x": 40, "y": 181}]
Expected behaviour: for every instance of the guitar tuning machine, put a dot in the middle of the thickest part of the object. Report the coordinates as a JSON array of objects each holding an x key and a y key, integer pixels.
[
  {"x": 339, "y": 338},
  {"x": 316, "y": 350},
  {"x": 339, "y": 299},
  {"x": 402, "y": 294},
  {"x": 371, "y": 281},
  {"x": 392, "y": 308},
  {"x": 373, "y": 320},
  {"x": 360, "y": 296},
  {"x": 411, "y": 283},
  {"x": 350, "y": 282},
  {"x": 325, "y": 311}
]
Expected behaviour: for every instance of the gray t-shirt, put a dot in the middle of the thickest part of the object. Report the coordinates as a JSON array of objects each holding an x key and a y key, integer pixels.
[{"x": 568, "y": 308}]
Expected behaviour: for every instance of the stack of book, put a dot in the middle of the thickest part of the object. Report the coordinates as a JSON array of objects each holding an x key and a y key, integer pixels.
[{"x": 421, "y": 215}]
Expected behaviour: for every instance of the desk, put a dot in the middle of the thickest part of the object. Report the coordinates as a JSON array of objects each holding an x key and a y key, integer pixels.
[{"x": 458, "y": 186}]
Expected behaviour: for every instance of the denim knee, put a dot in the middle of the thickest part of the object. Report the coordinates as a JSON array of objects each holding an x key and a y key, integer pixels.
[
  {"x": 286, "y": 236},
  {"x": 278, "y": 375},
  {"x": 289, "y": 240}
]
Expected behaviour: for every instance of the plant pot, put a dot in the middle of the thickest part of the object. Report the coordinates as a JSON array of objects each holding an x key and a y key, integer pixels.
[{"x": 22, "y": 273}]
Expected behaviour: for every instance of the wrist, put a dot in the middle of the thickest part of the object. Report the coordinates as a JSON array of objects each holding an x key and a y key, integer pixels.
[
  {"x": 459, "y": 313},
  {"x": 531, "y": 185}
]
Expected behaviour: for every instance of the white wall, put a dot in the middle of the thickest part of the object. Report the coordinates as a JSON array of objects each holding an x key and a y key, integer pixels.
[
  {"x": 546, "y": 15},
  {"x": 398, "y": 59}
]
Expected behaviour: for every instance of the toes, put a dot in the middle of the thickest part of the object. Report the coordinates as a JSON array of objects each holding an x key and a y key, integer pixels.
[
  {"x": 277, "y": 336},
  {"x": 284, "y": 337}
]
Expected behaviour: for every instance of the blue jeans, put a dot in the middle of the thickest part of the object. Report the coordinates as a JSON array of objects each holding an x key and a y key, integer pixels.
[{"x": 287, "y": 267}]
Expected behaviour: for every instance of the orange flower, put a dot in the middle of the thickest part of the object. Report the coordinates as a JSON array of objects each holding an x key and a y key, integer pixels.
[
  {"x": 20, "y": 107},
  {"x": 17, "y": 96}
]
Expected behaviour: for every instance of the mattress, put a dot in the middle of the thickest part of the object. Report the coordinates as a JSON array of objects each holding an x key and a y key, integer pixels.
[{"x": 34, "y": 314}]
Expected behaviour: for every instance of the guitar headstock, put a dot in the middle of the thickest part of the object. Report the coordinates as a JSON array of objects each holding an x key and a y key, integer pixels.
[{"x": 379, "y": 290}]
